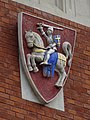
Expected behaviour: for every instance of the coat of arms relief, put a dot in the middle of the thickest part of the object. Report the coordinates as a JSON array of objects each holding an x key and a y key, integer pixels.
[{"x": 46, "y": 50}]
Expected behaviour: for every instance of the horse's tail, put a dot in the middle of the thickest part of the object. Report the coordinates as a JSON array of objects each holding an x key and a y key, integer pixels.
[{"x": 67, "y": 49}]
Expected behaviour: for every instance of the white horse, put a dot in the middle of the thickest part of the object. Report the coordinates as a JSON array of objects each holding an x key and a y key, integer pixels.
[{"x": 35, "y": 41}]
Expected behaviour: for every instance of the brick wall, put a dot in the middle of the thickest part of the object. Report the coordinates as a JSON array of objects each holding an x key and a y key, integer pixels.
[{"x": 76, "y": 90}]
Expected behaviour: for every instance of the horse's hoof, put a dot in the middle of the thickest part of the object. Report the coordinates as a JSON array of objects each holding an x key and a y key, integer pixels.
[
  {"x": 58, "y": 86},
  {"x": 30, "y": 69},
  {"x": 36, "y": 69}
]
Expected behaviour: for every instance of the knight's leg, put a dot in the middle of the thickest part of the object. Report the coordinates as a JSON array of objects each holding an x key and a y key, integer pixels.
[
  {"x": 48, "y": 53},
  {"x": 29, "y": 62},
  {"x": 47, "y": 57}
]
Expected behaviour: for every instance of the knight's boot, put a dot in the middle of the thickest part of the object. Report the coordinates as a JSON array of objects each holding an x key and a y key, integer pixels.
[{"x": 45, "y": 62}]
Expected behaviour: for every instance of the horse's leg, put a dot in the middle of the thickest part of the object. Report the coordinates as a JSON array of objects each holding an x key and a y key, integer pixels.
[
  {"x": 61, "y": 72},
  {"x": 29, "y": 62},
  {"x": 34, "y": 63},
  {"x": 60, "y": 81}
]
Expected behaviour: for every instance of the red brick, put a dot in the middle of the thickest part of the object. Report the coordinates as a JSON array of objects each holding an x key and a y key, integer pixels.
[
  {"x": 86, "y": 86},
  {"x": 21, "y": 6},
  {"x": 77, "y": 88},
  {"x": 72, "y": 112},
  {"x": 4, "y": 95},
  {"x": 64, "y": 118},
  {"x": 6, "y": 20},
  {"x": 57, "y": 117},
  {"x": 6, "y": 1},
  {"x": 88, "y": 48},
  {"x": 85, "y": 76},
  {"x": 2, "y": 14},
  {"x": 15, "y": 73},
  {"x": 11, "y": 112},
  {"x": 82, "y": 27},
  {"x": 79, "y": 118},
  {"x": 3, "y": 84},
  {"x": 50, "y": 17},
  {"x": 18, "y": 110},
  {"x": 2, "y": 89},
  {"x": 49, "y": 112},
  {"x": 30, "y": 118},
  {"x": 45, "y": 15},
  {"x": 20, "y": 115},
  {"x": 66, "y": 22},
  {"x": 87, "y": 72},
  {"x": 4, "y": 100},
  {"x": 17, "y": 99},
  {"x": 46, "y": 118},
  {"x": 2, "y": 118},
  {"x": 88, "y": 91},
  {"x": 4, "y": 114},
  {"x": 8, "y": 6},
  {"x": 37, "y": 12},
  {"x": 87, "y": 106},
  {"x": 10, "y": 92},
  {"x": 13, "y": 3},
  {"x": 40, "y": 112},
  {"x": 57, "y": 19},
  {"x": 8, "y": 81},
  {"x": 73, "y": 24},
  {"x": 5, "y": 106},
  {"x": 39, "y": 117},
  {"x": 79, "y": 104},
  {"x": 29, "y": 9},
  {"x": 13, "y": 13},
  {"x": 87, "y": 53}
]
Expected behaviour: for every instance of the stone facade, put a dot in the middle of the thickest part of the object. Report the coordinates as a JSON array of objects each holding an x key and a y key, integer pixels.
[
  {"x": 75, "y": 10},
  {"x": 76, "y": 90}
]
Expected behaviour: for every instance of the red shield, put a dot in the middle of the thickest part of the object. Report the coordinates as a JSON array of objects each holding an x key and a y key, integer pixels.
[{"x": 43, "y": 87}]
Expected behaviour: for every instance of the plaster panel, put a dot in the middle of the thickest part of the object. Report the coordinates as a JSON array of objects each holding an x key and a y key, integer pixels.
[
  {"x": 83, "y": 8},
  {"x": 74, "y": 10}
]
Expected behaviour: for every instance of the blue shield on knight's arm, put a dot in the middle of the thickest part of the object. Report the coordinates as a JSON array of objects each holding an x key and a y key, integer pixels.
[{"x": 57, "y": 39}]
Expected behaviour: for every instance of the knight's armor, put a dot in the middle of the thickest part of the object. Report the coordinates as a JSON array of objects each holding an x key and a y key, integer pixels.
[{"x": 51, "y": 49}]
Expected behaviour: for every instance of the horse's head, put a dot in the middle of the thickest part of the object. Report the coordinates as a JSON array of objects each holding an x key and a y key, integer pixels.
[
  {"x": 57, "y": 40},
  {"x": 29, "y": 35},
  {"x": 33, "y": 39}
]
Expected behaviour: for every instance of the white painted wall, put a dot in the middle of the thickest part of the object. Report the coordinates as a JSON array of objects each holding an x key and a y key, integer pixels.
[{"x": 74, "y": 10}]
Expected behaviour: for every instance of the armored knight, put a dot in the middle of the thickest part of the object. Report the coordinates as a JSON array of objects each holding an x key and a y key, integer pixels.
[
  {"x": 52, "y": 41},
  {"x": 51, "y": 49}
]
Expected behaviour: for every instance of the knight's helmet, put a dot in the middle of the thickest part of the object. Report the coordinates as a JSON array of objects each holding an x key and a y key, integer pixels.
[
  {"x": 57, "y": 39},
  {"x": 50, "y": 28}
]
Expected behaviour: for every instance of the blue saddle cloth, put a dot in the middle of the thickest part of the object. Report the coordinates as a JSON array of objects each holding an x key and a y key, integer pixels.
[{"x": 49, "y": 70}]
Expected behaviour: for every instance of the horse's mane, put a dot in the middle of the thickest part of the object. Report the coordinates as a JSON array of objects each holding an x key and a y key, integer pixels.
[{"x": 39, "y": 40}]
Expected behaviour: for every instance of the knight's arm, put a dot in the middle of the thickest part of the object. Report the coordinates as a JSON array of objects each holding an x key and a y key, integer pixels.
[
  {"x": 44, "y": 34},
  {"x": 40, "y": 28},
  {"x": 53, "y": 45}
]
